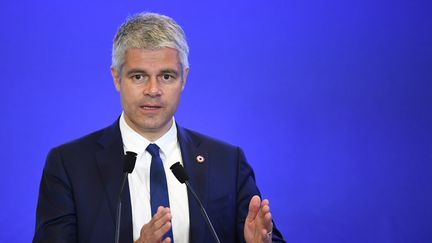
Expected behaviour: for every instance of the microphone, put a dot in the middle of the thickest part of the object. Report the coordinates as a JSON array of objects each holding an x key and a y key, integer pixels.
[
  {"x": 128, "y": 166},
  {"x": 180, "y": 173}
]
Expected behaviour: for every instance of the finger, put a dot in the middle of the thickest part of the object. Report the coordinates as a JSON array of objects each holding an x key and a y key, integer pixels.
[
  {"x": 162, "y": 223},
  {"x": 157, "y": 216},
  {"x": 254, "y": 206},
  {"x": 265, "y": 236},
  {"x": 268, "y": 223},
  {"x": 265, "y": 207},
  {"x": 166, "y": 240},
  {"x": 264, "y": 210},
  {"x": 161, "y": 218},
  {"x": 157, "y": 227},
  {"x": 161, "y": 211},
  {"x": 267, "y": 217},
  {"x": 159, "y": 233}
]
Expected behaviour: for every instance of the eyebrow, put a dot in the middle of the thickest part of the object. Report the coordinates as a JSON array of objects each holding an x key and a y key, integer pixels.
[
  {"x": 129, "y": 72},
  {"x": 169, "y": 70}
]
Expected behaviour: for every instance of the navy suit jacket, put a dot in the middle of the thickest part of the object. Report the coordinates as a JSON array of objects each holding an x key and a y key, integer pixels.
[{"x": 81, "y": 181}]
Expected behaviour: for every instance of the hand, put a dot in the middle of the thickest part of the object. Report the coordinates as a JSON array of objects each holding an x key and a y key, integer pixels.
[
  {"x": 258, "y": 225},
  {"x": 155, "y": 229}
]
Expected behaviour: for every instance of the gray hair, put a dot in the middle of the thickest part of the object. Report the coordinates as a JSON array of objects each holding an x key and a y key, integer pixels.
[{"x": 150, "y": 31}]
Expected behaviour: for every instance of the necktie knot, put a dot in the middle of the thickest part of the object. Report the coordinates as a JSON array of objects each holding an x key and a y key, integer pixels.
[{"x": 153, "y": 149}]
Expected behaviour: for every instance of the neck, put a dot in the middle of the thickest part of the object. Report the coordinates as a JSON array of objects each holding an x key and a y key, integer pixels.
[{"x": 151, "y": 134}]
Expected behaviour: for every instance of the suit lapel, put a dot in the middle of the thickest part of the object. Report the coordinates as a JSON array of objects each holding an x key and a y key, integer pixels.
[
  {"x": 110, "y": 162},
  {"x": 197, "y": 172}
]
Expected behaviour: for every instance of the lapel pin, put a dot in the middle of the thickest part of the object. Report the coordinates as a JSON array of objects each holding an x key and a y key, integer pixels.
[{"x": 200, "y": 159}]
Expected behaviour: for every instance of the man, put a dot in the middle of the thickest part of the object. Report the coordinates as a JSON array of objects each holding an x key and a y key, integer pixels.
[{"x": 81, "y": 179}]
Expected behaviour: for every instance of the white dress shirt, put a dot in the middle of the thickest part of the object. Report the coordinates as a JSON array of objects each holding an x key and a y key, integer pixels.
[{"x": 139, "y": 180}]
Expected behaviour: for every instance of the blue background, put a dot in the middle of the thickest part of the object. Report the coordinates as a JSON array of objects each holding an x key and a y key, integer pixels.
[{"x": 331, "y": 101}]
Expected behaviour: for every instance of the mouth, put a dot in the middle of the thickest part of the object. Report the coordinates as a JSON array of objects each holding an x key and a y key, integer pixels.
[{"x": 150, "y": 109}]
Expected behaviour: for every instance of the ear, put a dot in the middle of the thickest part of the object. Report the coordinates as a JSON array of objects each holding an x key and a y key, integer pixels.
[
  {"x": 116, "y": 78},
  {"x": 185, "y": 74}
]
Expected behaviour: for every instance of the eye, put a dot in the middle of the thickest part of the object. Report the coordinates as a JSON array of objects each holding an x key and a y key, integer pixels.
[
  {"x": 137, "y": 77},
  {"x": 167, "y": 78}
]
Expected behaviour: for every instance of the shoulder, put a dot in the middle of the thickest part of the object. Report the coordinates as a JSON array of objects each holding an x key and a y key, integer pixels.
[
  {"x": 205, "y": 140},
  {"x": 89, "y": 143},
  {"x": 211, "y": 146}
]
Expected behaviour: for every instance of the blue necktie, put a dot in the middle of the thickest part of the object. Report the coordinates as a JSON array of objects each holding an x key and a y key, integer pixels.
[{"x": 158, "y": 184}]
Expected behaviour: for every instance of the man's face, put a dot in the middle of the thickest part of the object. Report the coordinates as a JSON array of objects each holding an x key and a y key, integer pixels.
[{"x": 150, "y": 84}]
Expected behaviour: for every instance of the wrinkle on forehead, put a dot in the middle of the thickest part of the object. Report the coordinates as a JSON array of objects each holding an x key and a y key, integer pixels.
[{"x": 152, "y": 60}]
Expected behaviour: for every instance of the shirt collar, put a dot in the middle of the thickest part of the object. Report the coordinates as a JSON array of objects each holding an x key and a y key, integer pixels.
[{"x": 133, "y": 141}]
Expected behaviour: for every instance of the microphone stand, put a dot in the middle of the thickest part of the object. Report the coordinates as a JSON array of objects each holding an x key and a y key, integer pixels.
[
  {"x": 119, "y": 207},
  {"x": 204, "y": 213}
]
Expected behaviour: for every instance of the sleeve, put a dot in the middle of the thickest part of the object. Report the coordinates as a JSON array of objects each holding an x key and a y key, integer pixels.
[
  {"x": 246, "y": 189},
  {"x": 55, "y": 213}
]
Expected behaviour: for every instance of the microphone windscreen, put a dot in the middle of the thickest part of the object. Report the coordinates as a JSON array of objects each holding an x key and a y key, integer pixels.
[
  {"x": 129, "y": 161},
  {"x": 179, "y": 172}
]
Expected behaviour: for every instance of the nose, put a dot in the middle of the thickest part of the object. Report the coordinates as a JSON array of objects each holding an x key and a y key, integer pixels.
[{"x": 152, "y": 87}]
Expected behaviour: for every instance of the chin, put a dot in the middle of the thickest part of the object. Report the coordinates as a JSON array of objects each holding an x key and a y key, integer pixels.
[{"x": 152, "y": 127}]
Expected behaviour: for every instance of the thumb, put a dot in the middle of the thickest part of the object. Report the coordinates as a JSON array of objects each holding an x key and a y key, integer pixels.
[{"x": 254, "y": 206}]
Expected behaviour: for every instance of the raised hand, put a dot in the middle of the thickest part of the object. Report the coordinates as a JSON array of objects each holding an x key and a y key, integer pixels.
[
  {"x": 258, "y": 225},
  {"x": 155, "y": 229}
]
